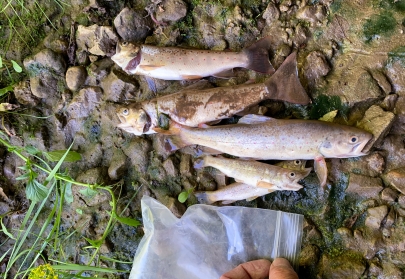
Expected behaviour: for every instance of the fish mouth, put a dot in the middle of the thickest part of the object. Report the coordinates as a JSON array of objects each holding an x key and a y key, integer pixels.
[
  {"x": 357, "y": 149},
  {"x": 130, "y": 129}
]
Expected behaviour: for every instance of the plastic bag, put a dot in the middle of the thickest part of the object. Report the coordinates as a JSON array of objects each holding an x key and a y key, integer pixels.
[{"x": 209, "y": 241}]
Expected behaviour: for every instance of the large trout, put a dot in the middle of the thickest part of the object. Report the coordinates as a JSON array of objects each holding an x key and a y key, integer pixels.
[
  {"x": 266, "y": 138},
  {"x": 193, "y": 107},
  {"x": 171, "y": 63}
]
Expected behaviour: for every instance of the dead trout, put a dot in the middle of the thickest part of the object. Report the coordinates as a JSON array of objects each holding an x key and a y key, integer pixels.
[
  {"x": 171, "y": 63},
  {"x": 266, "y": 138},
  {"x": 240, "y": 191},
  {"x": 193, "y": 107}
]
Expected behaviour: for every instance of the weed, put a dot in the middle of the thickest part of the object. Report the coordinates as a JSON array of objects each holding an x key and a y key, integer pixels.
[{"x": 183, "y": 196}]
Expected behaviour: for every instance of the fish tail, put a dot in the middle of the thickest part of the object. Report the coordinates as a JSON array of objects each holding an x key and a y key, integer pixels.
[
  {"x": 203, "y": 197},
  {"x": 285, "y": 84},
  {"x": 258, "y": 56}
]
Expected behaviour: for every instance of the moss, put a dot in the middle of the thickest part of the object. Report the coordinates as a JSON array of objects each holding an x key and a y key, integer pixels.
[
  {"x": 324, "y": 104},
  {"x": 397, "y": 54},
  {"x": 382, "y": 24}
]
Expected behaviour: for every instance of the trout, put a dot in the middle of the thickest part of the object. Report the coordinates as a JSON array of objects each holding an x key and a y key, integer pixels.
[
  {"x": 255, "y": 173},
  {"x": 239, "y": 191},
  {"x": 171, "y": 63},
  {"x": 194, "y": 107},
  {"x": 265, "y": 138}
]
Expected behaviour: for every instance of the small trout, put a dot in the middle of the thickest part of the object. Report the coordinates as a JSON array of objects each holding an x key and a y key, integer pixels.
[
  {"x": 240, "y": 191},
  {"x": 193, "y": 107},
  {"x": 266, "y": 138},
  {"x": 171, "y": 63},
  {"x": 255, "y": 173}
]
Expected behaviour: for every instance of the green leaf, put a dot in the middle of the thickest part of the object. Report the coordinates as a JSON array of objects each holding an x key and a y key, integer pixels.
[
  {"x": 32, "y": 150},
  {"x": 24, "y": 176},
  {"x": 5, "y": 231},
  {"x": 127, "y": 221},
  {"x": 56, "y": 155},
  {"x": 68, "y": 192},
  {"x": 183, "y": 196},
  {"x": 94, "y": 243},
  {"x": 16, "y": 67},
  {"x": 6, "y": 89},
  {"x": 87, "y": 192},
  {"x": 35, "y": 191},
  {"x": 1, "y": 62},
  {"x": 78, "y": 210}
]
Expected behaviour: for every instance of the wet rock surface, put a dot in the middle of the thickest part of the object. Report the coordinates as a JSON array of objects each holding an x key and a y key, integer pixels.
[{"x": 354, "y": 227}]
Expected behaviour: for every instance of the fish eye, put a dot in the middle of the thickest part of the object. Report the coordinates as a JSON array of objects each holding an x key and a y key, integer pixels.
[
  {"x": 354, "y": 139},
  {"x": 292, "y": 174},
  {"x": 125, "y": 112},
  {"x": 297, "y": 162},
  {"x": 124, "y": 43}
]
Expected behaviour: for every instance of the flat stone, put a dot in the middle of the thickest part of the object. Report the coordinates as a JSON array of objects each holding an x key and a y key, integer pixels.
[
  {"x": 132, "y": 26},
  {"x": 372, "y": 164},
  {"x": 314, "y": 14},
  {"x": 171, "y": 10},
  {"x": 375, "y": 216},
  {"x": 174, "y": 206},
  {"x": 364, "y": 186},
  {"x": 271, "y": 13},
  {"x": 378, "y": 122},
  {"x": 45, "y": 61},
  {"x": 84, "y": 102},
  {"x": 389, "y": 195},
  {"x": 170, "y": 168},
  {"x": 395, "y": 73},
  {"x": 309, "y": 255},
  {"x": 75, "y": 77},
  {"x": 396, "y": 178},
  {"x": 382, "y": 81},
  {"x": 316, "y": 66},
  {"x": 98, "y": 40}
]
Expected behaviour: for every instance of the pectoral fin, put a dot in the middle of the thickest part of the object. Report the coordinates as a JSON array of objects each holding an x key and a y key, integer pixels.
[
  {"x": 190, "y": 77},
  {"x": 321, "y": 169},
  {"x": 263, "y": 184}
]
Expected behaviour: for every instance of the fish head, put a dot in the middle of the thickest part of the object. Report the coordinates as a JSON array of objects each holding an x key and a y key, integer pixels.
[
  {"x": 125, "y": 52},
  {"x": 134, "y": 120},
  {"x": 297, "y": 164},
  {"x": 348, "y": 142},
  {"x": 292, "y": 176}
]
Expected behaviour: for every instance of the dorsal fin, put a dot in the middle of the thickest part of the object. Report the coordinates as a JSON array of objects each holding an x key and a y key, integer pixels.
[{"x": 255, "y": 119}]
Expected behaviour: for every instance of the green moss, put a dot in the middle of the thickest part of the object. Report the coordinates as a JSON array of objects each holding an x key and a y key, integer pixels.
[
  {"x": 324, "y": 104},
  {"x": 397, "y": 54},
  {"x": 383, "y": 24}
]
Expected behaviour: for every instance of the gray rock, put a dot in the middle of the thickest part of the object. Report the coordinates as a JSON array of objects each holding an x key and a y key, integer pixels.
[
  {"x": 132, "y": 25},
  {"x": 301, "y": 35},
  {"x": 341, "y": 267},
  {"x": 271, "y": 13},
  {"x": 375, "y": 216},
  {"x": 186, "y": 168},
  {"x": 389, "y": 195},
  {"x": 174, "y": 206},
  {"x": 45, "y": 86},
  {"x": 364, "y": 186},
  {"x": 401, "y": 200},
  {"x": 23, "y": 94},
  {"x": 171, "y": 10},
  {"x": 75, "y": 77},
  {"x": 382, "y": 81},
  {"x": 118, "y": 89},
  {"x": 395, "y": 73},
  {"x": 84, "y": 102},
  {"x": 98, "y": 40},
  {"x": 46, "y": 61},
  {"x": 137, "y": 150},
  {"x": 372, "y": 164},
  {"x": 314, "y": 14},
  {"x": 170, "y": 168},
  {"x": 98, "y": 71},
  {"x": 117, "y": 165},
  {"x": 398, "y": 128},
  {"x": 378, "y": 122},
  {"x": 56, "y": 43},
  {"x": 374, "y": 271},
  {"x": 389, "y": 102},
  {"x": 309, "y": 255},
  {"x": 91, "y": 176},
  {"x": 396, "y": 178},
  {"x": 316, "y": 66},
  {"x": 395, "y": 158},
  {"x": 93, "y": 153}
]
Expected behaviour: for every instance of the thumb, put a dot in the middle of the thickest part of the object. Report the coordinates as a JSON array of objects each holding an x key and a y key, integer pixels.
[{"x": 281, "y": 269}]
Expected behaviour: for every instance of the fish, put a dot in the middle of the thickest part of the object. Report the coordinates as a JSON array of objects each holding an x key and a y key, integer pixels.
[
  {"x": 256, "y": 173},
  {"x": 265, "y": 138},
  {"x": 239, "y": 191},
  {"x": 172, "y": 63},
  {"x": 194, "y": 107}
]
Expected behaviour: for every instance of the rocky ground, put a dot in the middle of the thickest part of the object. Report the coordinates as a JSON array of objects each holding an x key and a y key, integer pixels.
[{"x": 351, "y": 59}]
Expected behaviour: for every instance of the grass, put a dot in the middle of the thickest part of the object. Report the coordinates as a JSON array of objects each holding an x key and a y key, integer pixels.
[{"x": 48, "y": 199}]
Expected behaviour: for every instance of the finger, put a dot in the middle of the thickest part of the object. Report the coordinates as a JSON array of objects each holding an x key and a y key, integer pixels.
[
  {"x": 258, "y": 269},
  {"x": 281, "y": 269}
]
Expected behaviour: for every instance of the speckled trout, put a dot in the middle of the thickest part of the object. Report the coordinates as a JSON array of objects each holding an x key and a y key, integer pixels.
[
  {"x": 171, "y": 63},
  {"x": 240, "y": 191},
  {"x": 266, "y": 138},
  {"x": 193, "y": 107}
]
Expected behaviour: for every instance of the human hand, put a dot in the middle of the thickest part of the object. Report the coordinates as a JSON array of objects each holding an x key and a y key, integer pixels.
[{"x": 262, "y": 269}]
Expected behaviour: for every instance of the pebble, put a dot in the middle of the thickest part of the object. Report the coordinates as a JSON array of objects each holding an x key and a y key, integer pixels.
[
  {"x": 316, "y": 66},
  {"x": 118, "y": 89},
  {"x": 364, "y": 186},
  {"x": 171, "y": 11},
  {"x": 117, "y": 165},
  {"x": 389, "y": 195},
  {"x": 271, "y": 13},
  {"x": 84, "y": 102},
  {"x": 97, "y": 40},
  {"x": 375, "y": 216},
  {"x": 132, "y": 25},
  {"x": 24, "y": 95},
  {"x": 396, "y": 178},
  {"x": 45, "y": 61},
  {"x": 75, "y": 77}
]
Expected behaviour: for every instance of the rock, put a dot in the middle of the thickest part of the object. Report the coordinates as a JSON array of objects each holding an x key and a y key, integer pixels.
[
  {"x": 309, "y": 255},
  {"x": 395, "y": 73},
  {"x": 301, "y": 35},
  {"x": 98, "y": 40},
  {"x": 171, "y": 10},
  {"x": 316, "y": 66},
  {"x": 391, "y": 271},
  {"x": 394, "y": 146},
  {"x": 389, "y": 195},
  {"x": 44, "y": 86},
  {"x": 382, "y": 81},
  {"x": 341, "y": 267},
  {"x": 75, "y": 77},
  {"x": 401, "y": 201},
  {"x": 84, "y": 102},
  {"x": 137, "y": 150},
  {"x": 23, "y": 94},
  {"x": 375, "y": 216},
  {"x": 132, "y": 26},
  {"x": 364, "y": 186},
  {"x": 390, "y": 220},
  {"x": 98, "y": 71},
  {"x": 117, "y": 165},
  {"x": 396, "y": 178},
  {"x": 314, "y": 14},
  {"x": 174, "y": 206},
  {"x": 118, "y": 89},
  {"x": 378, "y": 122},
  {"x": 186, "y": 168},
  {"x": 374, "y": 271},
  {"x": 93, "y": 152},
  {"x": 271, "y": 13},
  {"x": 46, "y": 61},
  {"x": 91, "y": 176},
  {"x": 159, "y": 145},
  {"x": 398, "y": 128},
  {"x": 170, "y": 168},
  {"x": 389, "y": 102},
  {"x": 372, "y": 164}
]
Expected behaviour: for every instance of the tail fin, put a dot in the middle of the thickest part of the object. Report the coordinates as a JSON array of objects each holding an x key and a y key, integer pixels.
[
  {"x": 203, "y": 197},
  {"x": 285, "y": 84},
  {"x": 258, "y": 57}
]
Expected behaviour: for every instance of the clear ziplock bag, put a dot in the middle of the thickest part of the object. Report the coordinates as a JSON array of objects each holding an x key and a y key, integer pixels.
[{"x": 209, "y": 241}]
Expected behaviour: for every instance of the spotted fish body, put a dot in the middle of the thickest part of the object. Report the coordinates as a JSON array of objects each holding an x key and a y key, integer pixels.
[
  {"x": 240, "y": 191},
  {"x": 171, "y": 63},
  {"x": 193, "y": 107}
]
